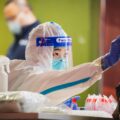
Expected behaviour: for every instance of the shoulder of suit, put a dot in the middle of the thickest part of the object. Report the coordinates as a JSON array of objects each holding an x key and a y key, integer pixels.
[{"x": 15, "y": 63}]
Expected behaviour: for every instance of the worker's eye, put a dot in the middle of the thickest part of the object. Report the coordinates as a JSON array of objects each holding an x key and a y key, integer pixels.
[{"x": 55, "y": 54}]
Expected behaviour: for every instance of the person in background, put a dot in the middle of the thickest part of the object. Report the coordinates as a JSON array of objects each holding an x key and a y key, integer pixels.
[{"x": 21, "y": 21}]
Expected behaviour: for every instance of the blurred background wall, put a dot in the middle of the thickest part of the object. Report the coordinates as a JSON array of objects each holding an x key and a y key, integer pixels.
[
  {"x": 110, "y": 28},
  {"x": 79, "y": 18}
]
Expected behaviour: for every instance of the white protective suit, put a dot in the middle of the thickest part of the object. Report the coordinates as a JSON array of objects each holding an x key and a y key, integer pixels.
[
  {"x": 35, "y": 73},
  {"x": 4, "y": 69}
]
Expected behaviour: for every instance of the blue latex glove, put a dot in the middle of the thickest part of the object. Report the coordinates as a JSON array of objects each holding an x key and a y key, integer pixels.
[
  {"x": 72, "y": 102},
  {"x": 113, "y": 56}
]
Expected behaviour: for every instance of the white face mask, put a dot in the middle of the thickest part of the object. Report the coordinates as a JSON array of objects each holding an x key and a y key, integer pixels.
[{"x": 14, "y": 27}]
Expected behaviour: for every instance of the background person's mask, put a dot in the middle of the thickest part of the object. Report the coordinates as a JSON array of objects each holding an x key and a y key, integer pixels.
[{"x": 14, "y": 27}]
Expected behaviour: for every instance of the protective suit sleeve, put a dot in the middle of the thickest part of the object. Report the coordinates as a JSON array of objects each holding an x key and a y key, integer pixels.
[
  {"x": 112, "y": 56},
  {"x": 72, "y": 82},
  {"x": 57, "y": 85}
]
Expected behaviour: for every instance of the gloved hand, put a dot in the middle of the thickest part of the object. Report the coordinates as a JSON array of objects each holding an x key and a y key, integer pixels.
[
  {"x": 72, "y": 102},
  {"x": 113, "y": 56}
]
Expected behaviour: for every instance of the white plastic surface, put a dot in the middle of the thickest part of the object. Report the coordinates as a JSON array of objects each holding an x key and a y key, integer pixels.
[{"x": 86, "y": 113}]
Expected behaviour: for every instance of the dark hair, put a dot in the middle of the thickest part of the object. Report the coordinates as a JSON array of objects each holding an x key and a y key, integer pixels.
[{"x": 10, "y": 1}]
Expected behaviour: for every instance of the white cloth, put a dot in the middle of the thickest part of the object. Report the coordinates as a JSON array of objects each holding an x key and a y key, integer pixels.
[{"x": 28, "y": 101}]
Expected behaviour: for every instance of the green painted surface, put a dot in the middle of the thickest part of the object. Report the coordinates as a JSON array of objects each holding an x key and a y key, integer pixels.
[
  {"x": 79, "y": 18},
  {"x": 5, "y": 36}
]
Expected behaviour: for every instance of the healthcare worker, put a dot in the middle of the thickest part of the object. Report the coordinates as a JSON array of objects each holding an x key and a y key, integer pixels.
[
  {"x": 21, "y": 21},
  {"x": 37, "y": 75}
]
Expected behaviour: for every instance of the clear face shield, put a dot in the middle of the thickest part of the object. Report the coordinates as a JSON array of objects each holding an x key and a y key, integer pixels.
[{"x": 62, "y": 50}]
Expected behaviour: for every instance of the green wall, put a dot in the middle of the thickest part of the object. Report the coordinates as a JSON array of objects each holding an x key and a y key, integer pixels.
[
  {"x": 5, "y": 36},
  {"x": 79, "y": 18}
]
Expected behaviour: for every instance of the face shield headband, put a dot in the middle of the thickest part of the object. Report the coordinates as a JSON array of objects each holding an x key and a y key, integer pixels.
[{"x": 61, "y": 41}]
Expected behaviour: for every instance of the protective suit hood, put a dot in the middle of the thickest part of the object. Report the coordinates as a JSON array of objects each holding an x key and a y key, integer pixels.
[{"x": 41, "y": 57}]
